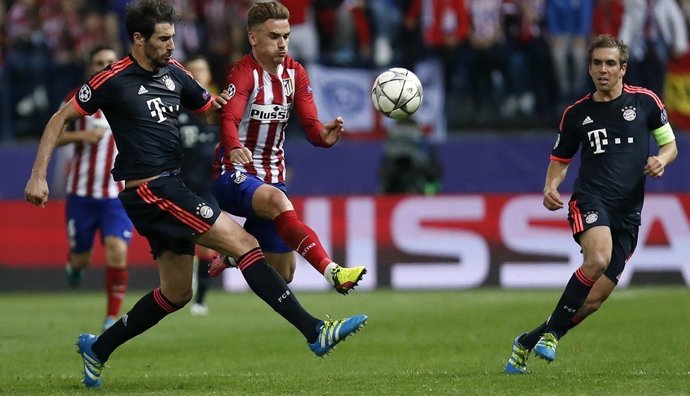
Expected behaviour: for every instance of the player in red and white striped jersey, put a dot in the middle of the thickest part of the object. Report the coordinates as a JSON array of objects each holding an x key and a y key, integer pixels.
[
  {"x": 92, "y": 201},
  {"x": 249, "y": 173}
]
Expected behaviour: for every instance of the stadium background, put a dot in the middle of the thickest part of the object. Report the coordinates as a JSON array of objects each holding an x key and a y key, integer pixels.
[{"x": 486, "y": 227}]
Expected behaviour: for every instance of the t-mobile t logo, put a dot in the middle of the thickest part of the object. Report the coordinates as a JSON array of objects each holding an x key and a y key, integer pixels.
[
  {"x": 156, "y": 106},
  {"x": 597, "y": 139}
]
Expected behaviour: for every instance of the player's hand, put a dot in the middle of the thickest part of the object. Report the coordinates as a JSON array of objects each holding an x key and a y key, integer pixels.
[
  {"x": 221, "y": 100},
  {"x": 240, "y": 155},
  {"x": 654, "y": 167},
  {"x": 36, "y": 191},
  {"x": 95, "y": 135},
  {"x": 333, "y": 131},
  {"x": 552, "y": 199}
]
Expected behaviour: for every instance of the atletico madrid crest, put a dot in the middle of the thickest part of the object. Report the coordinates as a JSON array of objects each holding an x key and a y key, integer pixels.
[{"x": 288, "y": 87}]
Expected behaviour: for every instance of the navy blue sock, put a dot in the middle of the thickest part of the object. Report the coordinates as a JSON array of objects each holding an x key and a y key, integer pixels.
[
  {"x": 572, "y": 299},
  {"x": 148, "y": 311},
  {"x": 270, "y": 287},
  {"x": 530, "y": 339}
]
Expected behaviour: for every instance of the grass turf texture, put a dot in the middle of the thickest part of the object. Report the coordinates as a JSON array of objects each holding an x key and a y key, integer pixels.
[{"x": 453, "y": 342}]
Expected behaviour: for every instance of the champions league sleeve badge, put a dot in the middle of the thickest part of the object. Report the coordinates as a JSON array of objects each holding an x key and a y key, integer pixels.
[{"x": 84, "y": 93}]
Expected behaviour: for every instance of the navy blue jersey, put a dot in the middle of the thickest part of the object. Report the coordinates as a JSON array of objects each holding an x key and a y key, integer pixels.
[
  {"x": 199, "y": 142},
  {"x": 142, "y": 108},
  {"x": 614, "y": 139}
]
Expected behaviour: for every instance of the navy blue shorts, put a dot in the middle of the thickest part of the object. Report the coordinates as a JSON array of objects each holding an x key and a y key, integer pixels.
[
  {"x": 86, "y": 215},
  {"x": 585, "y": 212},
  {"x": 169, "y": 214},
  {"x": 234, "y": 193}
]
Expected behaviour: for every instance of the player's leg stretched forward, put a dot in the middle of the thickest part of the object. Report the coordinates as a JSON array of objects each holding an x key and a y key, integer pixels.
[
  {"x": 176, "y": 290},
  {"x": 269, "y": 202},
  {"x": 579, "y": 300}
]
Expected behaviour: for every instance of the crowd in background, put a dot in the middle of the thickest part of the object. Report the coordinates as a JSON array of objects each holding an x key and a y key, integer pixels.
[{"x": 509, "y": 63}]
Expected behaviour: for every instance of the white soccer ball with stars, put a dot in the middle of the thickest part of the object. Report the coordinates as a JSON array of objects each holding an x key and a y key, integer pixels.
[{"x": 397, "y": 93}]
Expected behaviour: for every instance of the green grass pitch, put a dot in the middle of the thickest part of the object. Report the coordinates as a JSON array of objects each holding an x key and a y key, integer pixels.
[{"x": 416, "y": 343}]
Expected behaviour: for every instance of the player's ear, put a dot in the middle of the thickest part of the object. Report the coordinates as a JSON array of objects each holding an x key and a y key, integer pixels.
[
  {"x": 252, "y": 38},
  {"x": 138, "y": 38}
]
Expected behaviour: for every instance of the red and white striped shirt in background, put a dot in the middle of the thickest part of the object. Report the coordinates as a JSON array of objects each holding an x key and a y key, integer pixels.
[
  {"x": 258, "y": 112},
  {"x": 89, "y": 169}
]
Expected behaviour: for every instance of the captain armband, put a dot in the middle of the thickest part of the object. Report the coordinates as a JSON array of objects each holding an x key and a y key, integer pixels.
[{"x": 663, "y": 134}]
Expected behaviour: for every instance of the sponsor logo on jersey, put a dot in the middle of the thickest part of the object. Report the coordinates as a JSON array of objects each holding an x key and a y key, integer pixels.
[
  {"x": 664, "y": 116},
  {"x": 142, "y": 90},
  {"x": 587, "y": 120},
  {"x": 204, "y": 211},
  {"x": 169, "y": 83},
  {"x": 591, "y": 217},
  {"x": 231, "y": 90},
  {"x": 270, "y": 112},
  {"x": 84, "y": 93},
  {"x": 629, "y": 113}
]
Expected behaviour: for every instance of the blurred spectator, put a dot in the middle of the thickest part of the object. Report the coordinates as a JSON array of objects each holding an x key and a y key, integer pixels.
[
  {"x": 388, "y": 17},
  {"x": 655, "y": 31},
  {"x": 410, "y": 164},
  {"x": 445, "y": 26},
  {"x": 6, "y": 127},
  {"x": 188, "y": 33},
  {"x": 304, "y": 40},
  {"x": 62, "y": 28},
  {"x": 530, "y": 60},
  {"x": 27, "y": 66},
  {"x": 354, "y": 42},
  {"x": 115, "y": 29},
  {"x": 491, "y": 80},
  {"x": 225, "y": 35},
  {"x": 607, "y": 17},
  {"x": 569, "y": 24}
]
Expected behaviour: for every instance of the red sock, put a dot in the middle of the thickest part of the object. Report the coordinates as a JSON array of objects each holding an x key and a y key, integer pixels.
[
  {"x": 116, "y": 280},
  {"x": 302, "y": 239}
]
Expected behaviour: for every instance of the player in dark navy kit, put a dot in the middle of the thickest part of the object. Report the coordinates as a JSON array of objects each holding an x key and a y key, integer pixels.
[
  {"x": 141, "y": 96},
  {"x": 199, "y": 141},
  {"x": 612, "y": 128}
]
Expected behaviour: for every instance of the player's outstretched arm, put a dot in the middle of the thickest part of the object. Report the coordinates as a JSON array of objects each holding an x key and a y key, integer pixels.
[
  {"x": 36, "y": 190},
  {"x": 656, "y": 164},
  {"x": 212, "y": 115},
  {"x": 331, "y": 132}
]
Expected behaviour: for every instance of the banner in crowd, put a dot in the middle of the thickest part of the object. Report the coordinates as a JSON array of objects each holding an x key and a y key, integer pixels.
[
  {"x": 347, "y": 92},
  {"x": 677, "y": 93},
  {"x": 414, "y": 242}
]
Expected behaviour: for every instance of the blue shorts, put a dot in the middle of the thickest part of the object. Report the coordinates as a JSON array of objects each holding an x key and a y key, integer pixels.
[
  {"x": 86, "y": 215},
  {"x": 234, "y": 193}
]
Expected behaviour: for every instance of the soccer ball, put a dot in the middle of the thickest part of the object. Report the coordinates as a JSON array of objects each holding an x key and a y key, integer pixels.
[{"x": 397, "y": 93}]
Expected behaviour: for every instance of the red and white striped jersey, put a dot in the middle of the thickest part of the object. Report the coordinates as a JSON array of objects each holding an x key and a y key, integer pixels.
[
  {"x": 257, "y": 113},
  {"x": 90, "y": 166}
]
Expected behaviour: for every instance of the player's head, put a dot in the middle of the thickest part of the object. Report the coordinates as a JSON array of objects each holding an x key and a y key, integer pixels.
[
  {"x": 269, "y": 32},
  {"x": 100, "y": 57},
  {"x": 608, "y": 61},
  {"x": 151, "y": 28},
  {"x": 198, "y": 66}
]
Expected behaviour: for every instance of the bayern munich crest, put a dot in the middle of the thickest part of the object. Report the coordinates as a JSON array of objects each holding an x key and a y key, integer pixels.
[
  {"x": 84, "y": 93},
  {"x": 204, "y": 211},
  {"x": 169, "y": 83},
  {"x": 629, "y": 113},
  {"x": 591, "y": 217}
]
